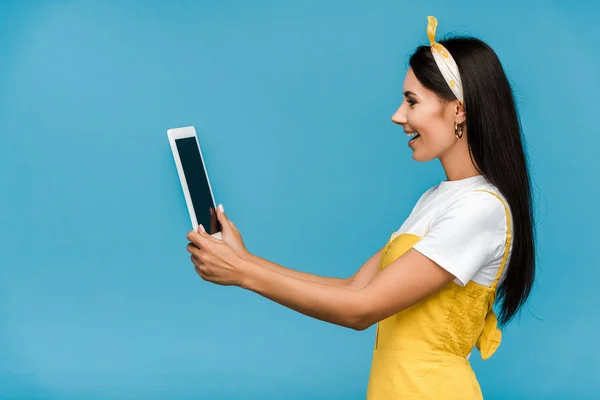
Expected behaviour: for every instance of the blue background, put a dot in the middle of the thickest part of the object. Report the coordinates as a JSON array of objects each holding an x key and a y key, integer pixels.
[{"x": 292, "y": 103}]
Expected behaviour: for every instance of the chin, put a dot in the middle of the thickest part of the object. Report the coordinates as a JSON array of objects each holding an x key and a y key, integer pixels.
[{"x": 419, "y": 157}]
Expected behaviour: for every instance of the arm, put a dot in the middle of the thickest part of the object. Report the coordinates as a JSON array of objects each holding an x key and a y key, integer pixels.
[
  {"x": 367, "y": 272},
  {"x": 360, "y": 279},
  {"x": 271, "y": 266},
  {"x": 409, "y": 279},
  {"x": 232, "y": 236}
]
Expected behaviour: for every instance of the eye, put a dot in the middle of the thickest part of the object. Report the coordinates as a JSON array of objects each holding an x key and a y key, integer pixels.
[{"x": 411, "y": 102}]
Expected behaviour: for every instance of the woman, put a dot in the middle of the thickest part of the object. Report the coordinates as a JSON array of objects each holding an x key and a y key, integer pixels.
[{"x": 468, "y": 241}]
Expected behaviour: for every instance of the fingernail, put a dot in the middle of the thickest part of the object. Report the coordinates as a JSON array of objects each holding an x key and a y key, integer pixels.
[
  {"x": 201, "y": 228},
  {"x": 221, "y": 208}
]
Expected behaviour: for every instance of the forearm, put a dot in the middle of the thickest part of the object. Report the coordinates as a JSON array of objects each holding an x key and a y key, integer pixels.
[
  {"x": 344, "y": 282},
  {"x": 338, "y": 305}
]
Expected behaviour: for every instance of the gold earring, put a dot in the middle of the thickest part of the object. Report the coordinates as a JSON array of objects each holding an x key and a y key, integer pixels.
[{"x": 458, "y": 131}]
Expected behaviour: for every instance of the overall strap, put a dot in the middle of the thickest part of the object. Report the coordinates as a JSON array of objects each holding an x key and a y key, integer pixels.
[{"x": 508, "y": 238}]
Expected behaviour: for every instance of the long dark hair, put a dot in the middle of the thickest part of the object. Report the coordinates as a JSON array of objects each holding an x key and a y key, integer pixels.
[{"x": 496, "y": 146}]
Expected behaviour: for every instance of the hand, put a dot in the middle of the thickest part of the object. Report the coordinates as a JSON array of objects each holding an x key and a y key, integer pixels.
[
  {"x": 215, "y": 260},
  {"x": 229, "y": 232}
]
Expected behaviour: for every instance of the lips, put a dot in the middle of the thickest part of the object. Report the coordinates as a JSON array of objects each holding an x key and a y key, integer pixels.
[{"x": 413, "y": 136}]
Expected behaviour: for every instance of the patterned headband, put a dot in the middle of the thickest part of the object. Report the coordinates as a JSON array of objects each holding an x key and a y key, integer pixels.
[{"x": 444, "y": 61}]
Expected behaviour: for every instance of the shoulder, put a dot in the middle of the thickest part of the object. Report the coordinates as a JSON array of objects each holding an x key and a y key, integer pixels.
[
  {"x": 429, "y": 193},
  {"x": 479, "y": 213},
  {"x": 467, "y": 234},
  {"x": 423, "y": 200},
  {"x": 477, "y": 204}
]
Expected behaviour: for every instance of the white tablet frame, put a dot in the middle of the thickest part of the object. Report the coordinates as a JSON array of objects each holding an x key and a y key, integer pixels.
[{"x": 183, "y": 133}]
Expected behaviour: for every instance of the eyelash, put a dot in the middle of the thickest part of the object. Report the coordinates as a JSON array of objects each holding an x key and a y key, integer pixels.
[{"x": 411, "y": 102}]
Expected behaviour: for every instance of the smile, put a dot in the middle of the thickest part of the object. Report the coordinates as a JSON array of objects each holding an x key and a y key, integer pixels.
[{"x": 413, "y": 136}]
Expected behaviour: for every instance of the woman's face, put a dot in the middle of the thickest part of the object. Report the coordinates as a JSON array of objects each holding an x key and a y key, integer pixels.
[{"x": 423, "y": 113}]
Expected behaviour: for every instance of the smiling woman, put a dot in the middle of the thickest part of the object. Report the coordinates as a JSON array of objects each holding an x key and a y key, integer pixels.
[
  {"x": 467, "y": 242},
  {"x": 433, "y": 123}
]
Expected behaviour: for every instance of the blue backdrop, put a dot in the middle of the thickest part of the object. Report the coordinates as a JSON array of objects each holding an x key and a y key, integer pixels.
[{"x": 292, "y": 103}]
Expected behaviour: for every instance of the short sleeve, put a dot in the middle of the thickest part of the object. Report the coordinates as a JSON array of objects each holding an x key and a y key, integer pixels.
[{"x": 467, "y": 235}]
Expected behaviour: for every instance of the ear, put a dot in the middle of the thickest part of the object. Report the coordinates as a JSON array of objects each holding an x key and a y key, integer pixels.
[{"x": 460, "y": 114}]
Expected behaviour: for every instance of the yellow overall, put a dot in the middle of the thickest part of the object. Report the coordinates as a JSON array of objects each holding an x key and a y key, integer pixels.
[{"x": 421, "y": 352}]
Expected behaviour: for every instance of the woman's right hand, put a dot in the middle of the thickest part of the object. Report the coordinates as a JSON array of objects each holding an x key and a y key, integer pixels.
[{"x": 230, "y": 233}]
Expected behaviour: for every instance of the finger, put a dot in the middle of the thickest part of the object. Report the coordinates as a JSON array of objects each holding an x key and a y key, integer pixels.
[
  {"x": 209, "y": 244},
  {"x": 205, "y": 258},
  {"x": 224, "y": 220},
  {"x": 196, "y": 260},
  {"x": 193, "y": 249},
  {"x": 202, "y": 272},
  {"x": 214, "y": 220},
  {"x": 223, "y": 217},
  {"x": 189, "y": 235},
  {"x": 201, "y": 239},
  {"x": 201, "y": 265},
  {"x": 203, "y": 269}
]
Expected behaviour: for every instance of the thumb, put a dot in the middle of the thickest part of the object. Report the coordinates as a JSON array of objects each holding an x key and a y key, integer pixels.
[{"x": 225, "y": 223}]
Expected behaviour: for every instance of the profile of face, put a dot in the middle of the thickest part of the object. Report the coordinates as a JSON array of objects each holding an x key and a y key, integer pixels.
[{"x": 431, "y": 119}]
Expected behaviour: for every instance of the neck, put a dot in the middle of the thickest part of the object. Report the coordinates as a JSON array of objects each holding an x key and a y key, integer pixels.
[{"x": 457, "y": 161}]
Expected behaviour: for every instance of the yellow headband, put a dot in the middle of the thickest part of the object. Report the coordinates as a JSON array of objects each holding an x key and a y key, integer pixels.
[{"x": 444, "y": 61}]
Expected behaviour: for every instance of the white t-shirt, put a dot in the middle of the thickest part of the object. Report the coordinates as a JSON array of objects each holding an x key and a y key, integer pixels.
[{"x": 466, "y": 230}]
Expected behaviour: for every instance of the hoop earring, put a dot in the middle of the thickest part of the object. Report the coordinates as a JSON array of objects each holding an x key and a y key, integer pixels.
[{"x": 458, "y": 131}]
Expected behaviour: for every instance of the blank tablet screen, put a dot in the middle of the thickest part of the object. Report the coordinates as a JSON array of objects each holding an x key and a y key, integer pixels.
[{"x": 193, "y": 169}]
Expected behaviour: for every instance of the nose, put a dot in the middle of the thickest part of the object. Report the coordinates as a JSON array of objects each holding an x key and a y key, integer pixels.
[{"x": 399, "y": 117}]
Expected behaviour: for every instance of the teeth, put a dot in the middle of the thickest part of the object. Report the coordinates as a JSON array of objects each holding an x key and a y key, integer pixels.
[{"x": 412, "y": 134}]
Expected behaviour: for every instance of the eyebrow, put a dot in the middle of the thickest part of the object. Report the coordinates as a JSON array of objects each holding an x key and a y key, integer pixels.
[{"x": 408, "y": 92}]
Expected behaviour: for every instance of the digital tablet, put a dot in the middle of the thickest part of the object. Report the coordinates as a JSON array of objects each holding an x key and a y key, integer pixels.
[{"x": 194, "y": 180}]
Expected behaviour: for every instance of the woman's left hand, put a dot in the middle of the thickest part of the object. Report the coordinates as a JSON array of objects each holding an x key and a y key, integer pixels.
[{"x": 215, "y": 261}]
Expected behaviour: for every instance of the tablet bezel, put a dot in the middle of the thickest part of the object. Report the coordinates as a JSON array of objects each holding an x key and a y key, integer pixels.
[{"x": 184, "y": 133}]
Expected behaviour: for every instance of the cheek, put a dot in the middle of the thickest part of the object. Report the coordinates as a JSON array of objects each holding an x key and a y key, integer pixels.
[
  {"x": 438, "y": 141},
  {"x": 427, "y": 122},
  {"x": 436, "y": 133},
  {"x": 416, "y": 119}
]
